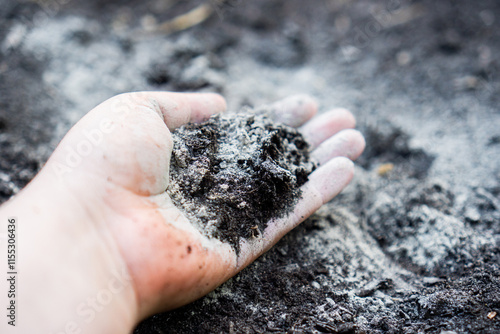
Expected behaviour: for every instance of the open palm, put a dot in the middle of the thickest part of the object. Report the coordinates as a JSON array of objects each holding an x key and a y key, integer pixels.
[{"x": 115, "y": 163}]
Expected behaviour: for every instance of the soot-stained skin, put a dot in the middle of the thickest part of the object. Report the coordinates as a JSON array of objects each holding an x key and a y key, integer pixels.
[{"x": 233, "y": 173}]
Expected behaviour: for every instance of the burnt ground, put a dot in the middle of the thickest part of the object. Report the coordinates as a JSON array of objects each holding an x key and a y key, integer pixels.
[{"x": 411, "y": 246}]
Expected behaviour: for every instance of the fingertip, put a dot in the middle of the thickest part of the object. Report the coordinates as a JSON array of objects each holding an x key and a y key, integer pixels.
[
  {"x": 219, "y": 103},
  {"x": 208, "y": 104},
  {"x": 306, "y": 102},
  {"x": 346, "y": 115},
  {"x": 361, "y": 144},
  {"x": 345, "y": 166},
  {"x": 324, "y": 126},
  {"x": 347, "y": 143},
  {"x": 357, "y": 143},
  {"x": 332, "y": 177},
  {"x": 294, "y": 110}
]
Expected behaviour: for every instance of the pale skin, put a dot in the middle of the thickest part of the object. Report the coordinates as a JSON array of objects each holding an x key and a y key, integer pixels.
[{"x": 101, "y": 247}]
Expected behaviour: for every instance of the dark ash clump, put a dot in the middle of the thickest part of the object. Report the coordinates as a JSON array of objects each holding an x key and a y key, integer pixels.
[{"x": 231, "y": 174}]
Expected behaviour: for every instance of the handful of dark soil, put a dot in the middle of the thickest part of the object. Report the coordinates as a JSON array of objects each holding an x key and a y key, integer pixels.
[{"x": 234, "y": 172}]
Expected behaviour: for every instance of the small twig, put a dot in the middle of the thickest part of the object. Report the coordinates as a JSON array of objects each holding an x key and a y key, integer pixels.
[{"x": 187, "y": 20}]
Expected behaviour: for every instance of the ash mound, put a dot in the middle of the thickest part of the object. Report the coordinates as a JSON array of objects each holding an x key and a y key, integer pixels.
[{"x": 231, "y": 174}]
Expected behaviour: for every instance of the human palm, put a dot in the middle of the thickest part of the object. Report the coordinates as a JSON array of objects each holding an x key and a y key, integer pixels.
[{"x": 114, "y": 165}]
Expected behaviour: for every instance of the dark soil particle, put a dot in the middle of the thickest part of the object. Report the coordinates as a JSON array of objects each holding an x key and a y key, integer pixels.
[{"x": 233, "y": 173}]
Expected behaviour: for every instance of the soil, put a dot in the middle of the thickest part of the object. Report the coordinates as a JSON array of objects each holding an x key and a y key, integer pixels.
[
  {"x": 411, "y": 246},
  {"x": 233, "y": 173}
]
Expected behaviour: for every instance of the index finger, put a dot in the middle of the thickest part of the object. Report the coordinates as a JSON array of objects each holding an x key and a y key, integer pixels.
[
  {"x": 176, "y": 109},
  {"x": 181, "y": 108}
]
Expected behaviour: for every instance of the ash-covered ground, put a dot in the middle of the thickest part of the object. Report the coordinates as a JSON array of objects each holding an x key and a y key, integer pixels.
[{"x": 411, "y": 246}]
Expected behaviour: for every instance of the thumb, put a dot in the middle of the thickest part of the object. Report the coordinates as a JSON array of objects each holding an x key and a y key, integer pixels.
[{"x": 126, "y": 140}]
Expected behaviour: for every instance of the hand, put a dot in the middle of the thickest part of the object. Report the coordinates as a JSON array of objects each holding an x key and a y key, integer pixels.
[{"x": 99, "y": 208}]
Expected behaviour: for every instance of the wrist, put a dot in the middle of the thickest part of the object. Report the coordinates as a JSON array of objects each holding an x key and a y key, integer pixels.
[{"x": 71, "y": 278}]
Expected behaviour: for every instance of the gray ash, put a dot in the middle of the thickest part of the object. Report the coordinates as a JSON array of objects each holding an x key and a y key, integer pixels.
[{"x": 231, "y": 174}]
